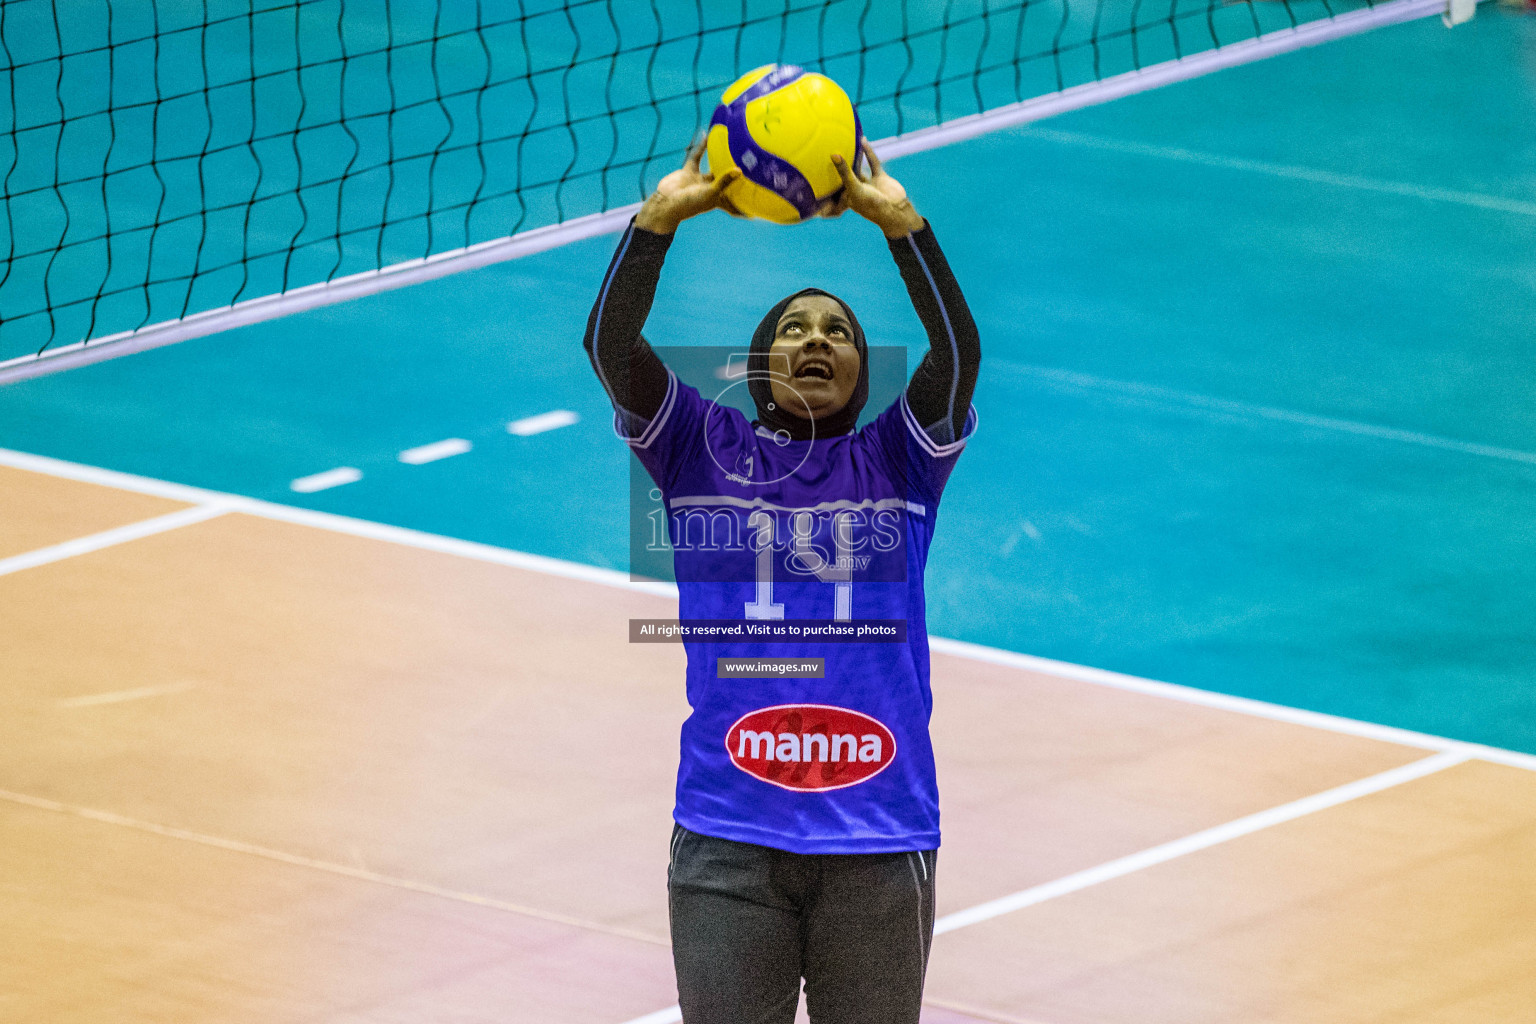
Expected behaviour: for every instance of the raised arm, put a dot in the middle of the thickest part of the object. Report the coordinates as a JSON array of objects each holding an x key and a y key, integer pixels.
[
  {"x": 632, "y": 374},
  {"x": 939, "y": 393}
]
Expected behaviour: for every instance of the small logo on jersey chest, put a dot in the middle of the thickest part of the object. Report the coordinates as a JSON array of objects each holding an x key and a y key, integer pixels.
[
  {"x": 743, "y": 473},
  {"x": 810, "y": 748}
]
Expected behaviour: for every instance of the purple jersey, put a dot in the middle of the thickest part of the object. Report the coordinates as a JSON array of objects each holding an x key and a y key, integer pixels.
[{"x": 835, "y": 530}]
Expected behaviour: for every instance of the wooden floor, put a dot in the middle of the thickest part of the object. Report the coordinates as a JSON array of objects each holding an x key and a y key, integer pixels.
[{"x": 257, "y": 770}]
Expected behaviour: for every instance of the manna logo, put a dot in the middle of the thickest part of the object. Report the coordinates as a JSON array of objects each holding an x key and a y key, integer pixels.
[{"x": 810, "y": 748}]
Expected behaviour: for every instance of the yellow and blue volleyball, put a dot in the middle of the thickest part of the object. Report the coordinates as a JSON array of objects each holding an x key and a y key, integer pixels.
[{"x": 779, "y": 125}]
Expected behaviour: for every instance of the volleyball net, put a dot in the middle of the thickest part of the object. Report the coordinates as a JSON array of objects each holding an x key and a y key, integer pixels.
[{"x": 172, "y": 169}]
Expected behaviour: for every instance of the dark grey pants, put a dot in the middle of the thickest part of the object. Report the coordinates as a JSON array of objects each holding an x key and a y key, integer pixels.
[{"x": 748, "y": 922}]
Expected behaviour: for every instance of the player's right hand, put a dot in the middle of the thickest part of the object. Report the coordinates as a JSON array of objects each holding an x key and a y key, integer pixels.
[{"x": 686, "y": 192}]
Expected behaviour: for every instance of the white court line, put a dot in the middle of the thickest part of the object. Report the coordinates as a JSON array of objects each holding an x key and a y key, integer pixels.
[
  {"x": 1227, "y": 702},
  {"x": 345, "y": 870},
  {"x": 1199, "y": 841},
  {"x": 213, "y": 505},
  {"x": 1481, "y": 200},
  {"x": 333, "y": 523},
  {"x": 543, "y": 421},
  {"x": 326, "y": 480},
  {"x": 1152, "y": 392},
  {"x": 444, "y": 449},
  {"x": 118, "y": 696},
  {"x": 1155, "y": 855},
  {"x": 619, "y": 580}
]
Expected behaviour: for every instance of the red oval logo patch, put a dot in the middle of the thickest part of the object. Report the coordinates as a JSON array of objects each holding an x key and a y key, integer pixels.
[{"x": 810, "y": 748}]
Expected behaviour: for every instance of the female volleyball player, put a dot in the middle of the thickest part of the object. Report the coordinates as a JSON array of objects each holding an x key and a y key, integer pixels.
[{"x": 807, "y": 816}]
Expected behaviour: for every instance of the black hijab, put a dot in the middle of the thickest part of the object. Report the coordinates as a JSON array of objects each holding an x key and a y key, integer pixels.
[{"x": 758, "y": 383}]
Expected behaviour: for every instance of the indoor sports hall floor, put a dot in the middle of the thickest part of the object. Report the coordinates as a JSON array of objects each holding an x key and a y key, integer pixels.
[
  {"x": 267, "y": 764},
  {"x": 1256, "y": 419}
]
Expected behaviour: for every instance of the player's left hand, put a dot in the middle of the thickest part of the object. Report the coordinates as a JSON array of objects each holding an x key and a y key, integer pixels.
[{"x": 874, "y": 195}]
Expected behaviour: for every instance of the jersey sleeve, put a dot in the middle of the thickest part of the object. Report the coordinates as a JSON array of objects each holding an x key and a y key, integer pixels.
[
  {"x": 630, "y": 372},
  {"x": 915, "y": 457},
  {"x": 939, "y": 394},
  {"x": 666, "y": 442}
]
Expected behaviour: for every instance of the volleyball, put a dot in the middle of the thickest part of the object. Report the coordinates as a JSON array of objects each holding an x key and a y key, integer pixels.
[{"x": 779, "y": 125}]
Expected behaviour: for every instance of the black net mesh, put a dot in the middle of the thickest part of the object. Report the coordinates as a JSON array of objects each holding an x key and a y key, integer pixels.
[{"x": 164, "y": 158}]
